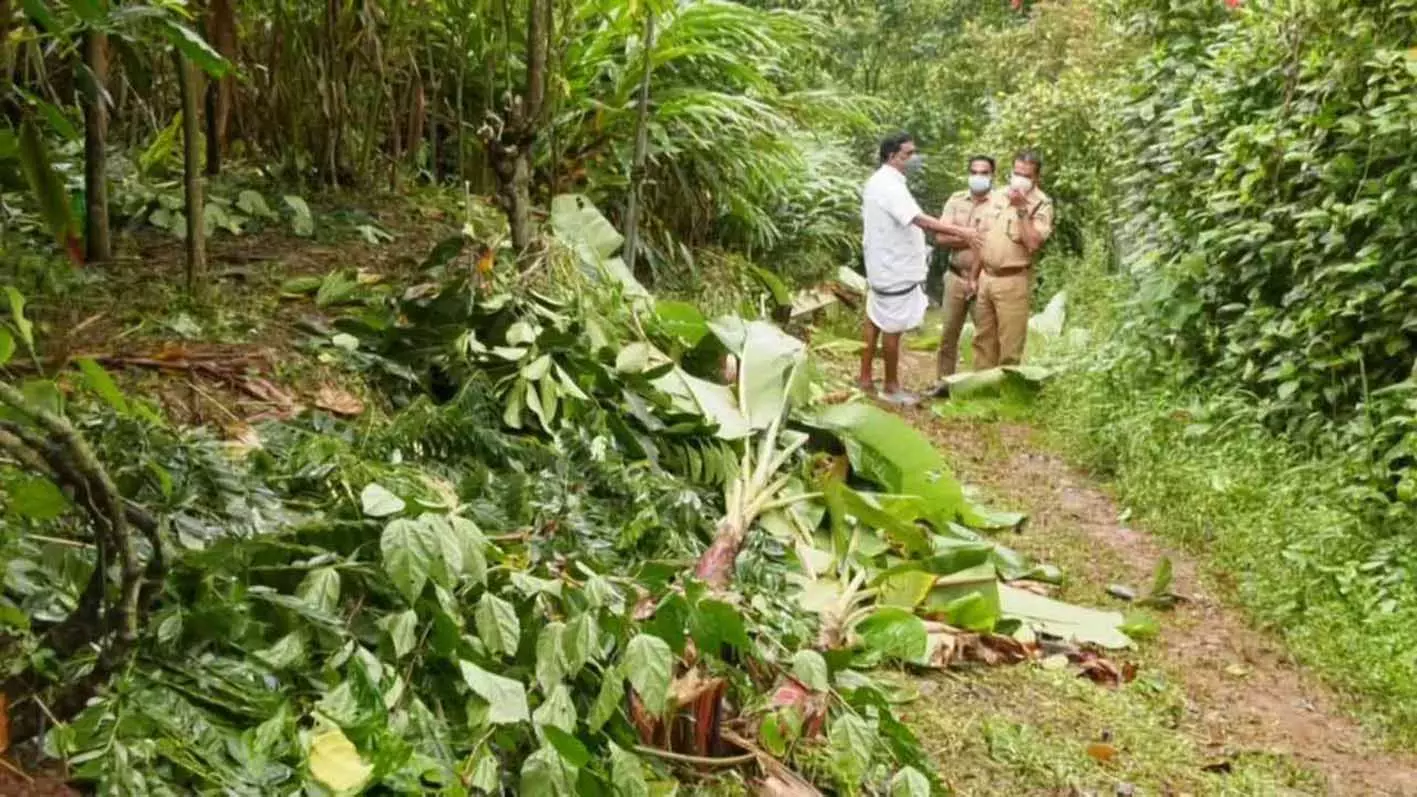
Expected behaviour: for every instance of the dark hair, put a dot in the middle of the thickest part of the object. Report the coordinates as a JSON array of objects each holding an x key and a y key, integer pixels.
[
  {"x": 1030, "y": 156},
  {"x": 986, "y": 159},
  {"x": 891, "y": 144}
]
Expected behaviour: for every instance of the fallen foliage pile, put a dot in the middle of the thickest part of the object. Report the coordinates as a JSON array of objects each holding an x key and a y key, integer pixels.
[{"x": 575, "y": 559}]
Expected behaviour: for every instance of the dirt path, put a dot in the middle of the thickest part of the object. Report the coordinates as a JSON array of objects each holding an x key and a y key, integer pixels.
[{"x": 1240, "y": 694}]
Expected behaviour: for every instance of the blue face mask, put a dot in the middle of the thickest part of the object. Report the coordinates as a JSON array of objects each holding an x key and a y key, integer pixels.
[{"x": 914, "y": 163}]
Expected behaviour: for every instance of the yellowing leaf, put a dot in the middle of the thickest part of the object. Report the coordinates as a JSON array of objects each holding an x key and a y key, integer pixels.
[
  {"x": 1101, "y": 752},
  {"x": 335, "y": 762}
]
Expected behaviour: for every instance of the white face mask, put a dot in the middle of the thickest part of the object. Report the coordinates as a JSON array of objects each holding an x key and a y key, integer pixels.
[
  {"x": 1021, "y": 184},
  {"x": 979, "y": 183}
]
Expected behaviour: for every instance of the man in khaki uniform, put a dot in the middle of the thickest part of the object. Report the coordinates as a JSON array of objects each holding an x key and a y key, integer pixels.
[
  {"x": 1019, "y": 219},
  {"x": 965, "y": 208}
]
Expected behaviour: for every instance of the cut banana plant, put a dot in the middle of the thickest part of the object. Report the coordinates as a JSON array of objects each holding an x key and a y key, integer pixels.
[
  {"x": 771, "y": 371},
  {"x": 839, "y": 605}
]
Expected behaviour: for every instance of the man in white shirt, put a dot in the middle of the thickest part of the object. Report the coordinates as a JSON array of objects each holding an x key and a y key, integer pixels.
[{"x": 896, "y": 260}]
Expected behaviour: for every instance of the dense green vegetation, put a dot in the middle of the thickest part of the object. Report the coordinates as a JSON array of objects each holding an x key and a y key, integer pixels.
[
  {"x": 1254, "y": 396},
  {"x": 540, "y": 531}
]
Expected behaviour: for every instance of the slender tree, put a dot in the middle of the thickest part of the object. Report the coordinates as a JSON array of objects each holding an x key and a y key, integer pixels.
[
  {"x": 637, "y": 163},
  {"x": 187, "y": 80},
  {"x": 511, "y": 150},
  {"x": 97, "y": 244},
  {"x": 221, "y": 33},
  {"x": 5, "y": 14}
]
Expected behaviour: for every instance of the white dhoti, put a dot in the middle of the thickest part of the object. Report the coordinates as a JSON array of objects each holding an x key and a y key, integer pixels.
[{"x": 898, "y": 313}]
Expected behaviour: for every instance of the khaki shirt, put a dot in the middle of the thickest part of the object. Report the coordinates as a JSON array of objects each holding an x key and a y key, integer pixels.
[
  {"x": 962, "y": 209},
  {"x": 1003, "y": 243}
]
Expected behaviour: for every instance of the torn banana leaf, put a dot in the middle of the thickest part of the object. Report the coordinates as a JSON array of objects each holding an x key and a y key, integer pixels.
[
  {"x": 769, "y": 366},
  {"x": 1014, "y": 382},
  {"x": 888, "y": 451},
  {"x": 1075, "y": 624}
]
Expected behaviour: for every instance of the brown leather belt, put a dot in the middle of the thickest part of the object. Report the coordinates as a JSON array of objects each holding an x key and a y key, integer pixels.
[{"x": 1007, "y": 272}]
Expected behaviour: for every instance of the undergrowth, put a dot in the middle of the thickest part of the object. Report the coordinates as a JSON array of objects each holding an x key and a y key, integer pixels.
[{"x": 1282, "y": 526}]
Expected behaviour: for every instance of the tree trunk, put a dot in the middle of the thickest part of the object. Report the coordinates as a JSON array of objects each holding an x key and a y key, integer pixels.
[
  {"x": 512, "y": 151},
  {"x": 221, "y": 33},
  {"x": 418, "y": 112},
  {"x": 519, "y": 209},
  {"x": 538, "y": 44},
  {"x": 637, "y": 163},
  {"x": 98, "y": 246},
  {"x": 6, "y": 76},
  {"x": 196, "y": 245},
  {"x": 395, "y": 139},
  {"x": 461, "y": 122}
]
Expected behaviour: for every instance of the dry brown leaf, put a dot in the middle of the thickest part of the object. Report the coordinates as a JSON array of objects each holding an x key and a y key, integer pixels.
[
  {"x": 338, "y": 401},
  {"x": 687, "y": 688},
  {"x": 998, "y": 649},
  {"x": 171, "y": 351},
  {"x": 644, "y": 607},
  {"x": 265, "y": 390},
  {"x": 1102, "y": 752},
  {"x": 1104, "y": 671},
  {"x": 1036, "y": 587},
  {"x": 943, "y": 648}
]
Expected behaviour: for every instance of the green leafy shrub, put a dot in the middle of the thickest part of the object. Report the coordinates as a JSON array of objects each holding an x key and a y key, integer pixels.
[{"x": 1275, "y": 250}]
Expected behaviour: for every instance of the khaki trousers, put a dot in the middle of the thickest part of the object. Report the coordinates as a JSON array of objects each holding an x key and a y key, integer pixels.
[
  {"x": 956, "y": 308},
  {"x": 1000, "y": 320}
]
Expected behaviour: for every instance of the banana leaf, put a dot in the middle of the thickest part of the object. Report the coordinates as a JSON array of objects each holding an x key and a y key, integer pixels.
[
  {"x": 577, "y": 223},
  {"x": 887, "y": 450},
  {"x": 769, "y": 366},
  {"x": 1014, "y": 382},
  {"x": 1072, "y": 623}
]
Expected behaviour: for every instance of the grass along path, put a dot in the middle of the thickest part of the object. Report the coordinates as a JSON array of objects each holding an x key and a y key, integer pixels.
[{"x": 1217, "y": 707}]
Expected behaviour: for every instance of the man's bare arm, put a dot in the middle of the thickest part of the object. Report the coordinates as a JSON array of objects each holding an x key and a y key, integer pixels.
[{"x": 935, "y": 225}]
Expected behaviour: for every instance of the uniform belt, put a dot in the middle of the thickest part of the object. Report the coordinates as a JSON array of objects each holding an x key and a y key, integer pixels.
[
  {"x": 901, "y": 292},
  {"x": 1006, "y": 272}
]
